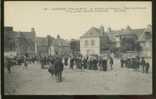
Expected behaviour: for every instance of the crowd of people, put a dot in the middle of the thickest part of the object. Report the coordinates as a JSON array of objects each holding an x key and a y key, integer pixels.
[
  {"x": 137, "y": 63},
  {"x": 79, "y": 62},
  {"x": 57, "y": 63},
  {"x": 9, "y": 62}
]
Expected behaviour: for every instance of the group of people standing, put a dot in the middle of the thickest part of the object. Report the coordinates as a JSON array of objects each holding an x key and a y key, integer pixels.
[
  {"x": 89, "y": 62},
  {"x": 29, "y": 60},
  {"x": 25, "y": 60},
  {"x": 136, "y": 63},
  {"x": 56, "y": 63}
]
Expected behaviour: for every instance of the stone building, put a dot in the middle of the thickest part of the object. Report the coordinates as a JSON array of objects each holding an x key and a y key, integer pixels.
[
  {"x": 146, "y": 42},
  {"x": 42, "y": 46},
  {"x": 94, "y": 42},
  {"x": 25, "y": 42},
  {"x": 19, "y": 43},
  {"x": 127, "y": 33},
  {"x": 60, "y": 46},
  {"x": 75, "y": 46},
  {"x": 50, "y": 46},
  {"x": 97, "y": 41},
  {"x": 141, "y": 36},
  {"x": 9, "y": 39}
]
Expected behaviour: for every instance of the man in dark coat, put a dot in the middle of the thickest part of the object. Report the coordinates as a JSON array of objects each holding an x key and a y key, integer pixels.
[
  {"x": 8, "y": 64},
  {"x": 100, "y": 63},
  {"x": 42, "y": 62},
  {"x": 122, "y": 62},
  {"x": 51, "y": 68},
  {"x": 143, "y": 63},
  {"x": 86, "y": 63},
  {"x": 147, "y": 67},
  {"x": 104, "y": 64},
  {"x": 137, "y": 63},
  {"x": 71, "y": 62},
  {"x": 95, "y": 64},
  {"x": 83, "y": 63},
  {"x": 58, "y": 68},
  {"x": 26, "y": 62},
  {"x": 111, "y": 63},
  {"x": 90, "y": 64},
  {"x": 66, "y": 61}
]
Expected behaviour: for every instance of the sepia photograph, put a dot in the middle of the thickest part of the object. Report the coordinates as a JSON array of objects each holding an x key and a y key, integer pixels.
[{"x": 78, "y": 48}]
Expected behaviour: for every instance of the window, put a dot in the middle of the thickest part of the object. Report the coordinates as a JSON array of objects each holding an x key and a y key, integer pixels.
[
  {"x": 92, "y": 42},
  {"x": 86, "y": 42}
]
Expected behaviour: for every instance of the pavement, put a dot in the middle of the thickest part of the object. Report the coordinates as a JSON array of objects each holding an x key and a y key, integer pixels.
[{"x": 37, "y": 81}]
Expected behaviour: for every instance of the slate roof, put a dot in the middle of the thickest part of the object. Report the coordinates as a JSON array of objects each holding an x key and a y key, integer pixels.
[
  {"x": 143, "y": 36},
  {"x": 137, "y": 32},
  {"x": 61, "y": 42},
  {"x": 132, "y": 32},
  {"x": 93, "y": 32},
  {"x": 27, "y": 35},
  {"x": 111, "y": 36},
  {"x": 42, "y": 41}
]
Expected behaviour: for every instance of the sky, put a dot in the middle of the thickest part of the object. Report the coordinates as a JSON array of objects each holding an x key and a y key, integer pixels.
[{"x": 50, "y": 18}]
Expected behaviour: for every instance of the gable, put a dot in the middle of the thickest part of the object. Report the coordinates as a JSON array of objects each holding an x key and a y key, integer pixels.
[{"x": 92, "y": 32}]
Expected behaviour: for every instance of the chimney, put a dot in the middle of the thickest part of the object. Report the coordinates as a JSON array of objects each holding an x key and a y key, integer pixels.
[
  {"x": 33, "y": 30},
  {"x": 102, "y": 29}
]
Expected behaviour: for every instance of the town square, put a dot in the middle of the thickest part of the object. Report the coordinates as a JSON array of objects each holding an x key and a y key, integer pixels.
[{"x": 77, "y": 51}]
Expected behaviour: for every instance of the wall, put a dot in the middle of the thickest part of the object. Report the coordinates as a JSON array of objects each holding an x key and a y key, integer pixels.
[
  {"x": 147, "y": 49},
  {"x": 92, "y": 49}
]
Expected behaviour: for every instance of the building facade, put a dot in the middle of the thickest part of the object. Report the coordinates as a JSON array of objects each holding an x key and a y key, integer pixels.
[
  {"x": 25, "y": 43},
  {"x": 19, "y": 43},
  {"x": 94, "y": 42},
  {"x": 9, "y": 39},
  {"x": 42, "y": 46},
  {"x": 146, "y": 42},
  {"x": 59, "y": 46},
  {"x": 75, "y": 46},
  {"x": 97, "y": 41}
]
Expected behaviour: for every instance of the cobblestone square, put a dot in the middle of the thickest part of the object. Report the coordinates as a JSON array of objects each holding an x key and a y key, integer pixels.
[{"x": 37, "y": 81}]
